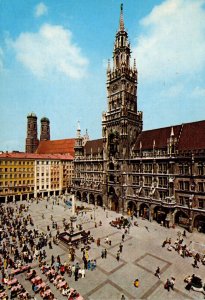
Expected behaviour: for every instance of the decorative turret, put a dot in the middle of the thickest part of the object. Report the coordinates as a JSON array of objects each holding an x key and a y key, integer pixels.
[
  {"x": 32, "y": 134},
  {"x": 171, "y": 142},
  {"x": 78, "y": 142},
  {"x": 45, "y": 129},
  {"x": 85, "y": 137}
]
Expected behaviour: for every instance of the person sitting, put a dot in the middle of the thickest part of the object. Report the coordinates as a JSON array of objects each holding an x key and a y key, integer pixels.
[{"x": 65, "y": 291}]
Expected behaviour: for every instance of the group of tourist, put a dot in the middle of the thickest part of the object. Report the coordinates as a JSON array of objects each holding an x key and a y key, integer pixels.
[
  {"x": 22, "y": 245},
  {"x": 183, "y": 250}
]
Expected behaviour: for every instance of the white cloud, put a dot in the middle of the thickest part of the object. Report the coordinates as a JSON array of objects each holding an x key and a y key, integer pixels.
[
  {"x": 49, "y": 51},
  {"x": 173, "y": 42},
  {"x": 40, "y": 10}
]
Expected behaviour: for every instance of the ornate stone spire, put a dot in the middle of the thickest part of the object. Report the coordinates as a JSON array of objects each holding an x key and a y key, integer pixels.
[
  {"x": 78, "y": 130},
  {"x": 121, "y": 18}
]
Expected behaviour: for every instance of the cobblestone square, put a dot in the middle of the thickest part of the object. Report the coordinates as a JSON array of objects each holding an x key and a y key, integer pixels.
[{"x": 142, "y": 253}]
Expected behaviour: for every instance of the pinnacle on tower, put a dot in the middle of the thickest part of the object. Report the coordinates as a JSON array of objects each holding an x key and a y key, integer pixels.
[
  {"x": 78, "y": 130},
  {"x": 121, "y": 18}
]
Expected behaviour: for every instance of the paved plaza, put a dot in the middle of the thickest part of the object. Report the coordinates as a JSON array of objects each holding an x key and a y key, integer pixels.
[{"x": 142, "y": 253}]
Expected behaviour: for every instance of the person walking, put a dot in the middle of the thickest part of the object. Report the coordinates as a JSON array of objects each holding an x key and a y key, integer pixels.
[
  {"x": 52, "y": 260},
  {"x": 120, "y": 247},
  {"x": 157, "y": 272},
  {"x": 167, "y": 285},
  {"x": 136, "y": 283},
  {"x": 105, "y": 253},
  {"x": 123, "y": 237},
  {"x": 172, "y": 283},
  {"x": 118, "y": 256},
  {"x": 195, "y": 265}
]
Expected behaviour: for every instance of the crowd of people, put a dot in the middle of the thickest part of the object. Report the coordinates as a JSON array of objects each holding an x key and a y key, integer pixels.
[
  {"x": 23, "y": 246},
  {"x": 180, "y": 246}
]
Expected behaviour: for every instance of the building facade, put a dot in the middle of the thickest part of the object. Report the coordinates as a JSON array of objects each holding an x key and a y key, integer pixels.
[
  {"x": 156, "y": 174},
  {"x": 26, "y": 175}
]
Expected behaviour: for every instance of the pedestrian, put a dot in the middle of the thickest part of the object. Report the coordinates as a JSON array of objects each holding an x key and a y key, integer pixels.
[
  {"x": 136, "y": 283},
  {"x": 120, "y": 247},
  {"x": 52, "y": 260},
  {"x": 195, "y": 263},
  {"x": 98, "y": 242},
  {"x": 172, "y": 282},
  {"x": 184, "y": 233},
  {"x": 167, "y": 285},
  {"x": 50, "y": 245},
  {"x": 123, "y": 237},
  {"x": 102, "y": 254},
  {"x": 105, "y": 253},
  {"x": 157, "y": 272},
  {"x": 122, "y": 297},
  {"x": 118, "y": 256}
]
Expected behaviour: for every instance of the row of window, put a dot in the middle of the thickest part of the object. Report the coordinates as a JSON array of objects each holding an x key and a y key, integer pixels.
[
  {"x": 10, "y": 176},
  {"x": 17, "y": 190},
  {"x": 16, "y": 170},
  {"x": 48, "y": 162},
  {"x": 14, "y": 183},
  {"x": 186, "y": 186},
  {"x": 53, "y": 186},
  {"x": 184, "y": 169},
  {"x": 15, "y": 162},
  {"x": 185, "y": 201}
]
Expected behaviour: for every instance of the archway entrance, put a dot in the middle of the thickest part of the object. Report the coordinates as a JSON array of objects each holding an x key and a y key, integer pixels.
[
  {"x": 85, "y": 199},
  {"x": 199, "y": 223},
  {"x": 182, "y": 219},
  {"x": 91, "y": 199},
  {"x": 144, "y": 211},
  {"x": 78, "y": 195},
  {"x": 113, "y": 199},
  {"x": 99, "y": 200},
  {"x": 160, "y": 215},
  {"x": 132, "y": 208}
]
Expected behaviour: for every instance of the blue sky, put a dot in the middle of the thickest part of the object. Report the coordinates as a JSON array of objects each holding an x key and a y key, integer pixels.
[{"x": 53, "y": 57}]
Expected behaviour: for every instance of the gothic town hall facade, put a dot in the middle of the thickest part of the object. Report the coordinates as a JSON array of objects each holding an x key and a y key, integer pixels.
[{"x": 156, "y": 174}]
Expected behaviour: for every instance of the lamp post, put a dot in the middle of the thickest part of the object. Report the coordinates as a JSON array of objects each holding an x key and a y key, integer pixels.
[
  {"x": 123, "y": 197},
  {"x": 190, "y": 212}
]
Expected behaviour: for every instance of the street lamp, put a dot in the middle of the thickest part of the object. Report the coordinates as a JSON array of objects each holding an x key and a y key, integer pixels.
[
  {"x": 190, "y": 212},
  {"x": 123, "y": 197}
]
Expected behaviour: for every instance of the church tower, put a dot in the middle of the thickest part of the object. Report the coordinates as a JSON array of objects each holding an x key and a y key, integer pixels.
[
  {"x": 122, "y": 123},
  {"x": 45, "y": 129},
  {"x": 32, "y": 134}
]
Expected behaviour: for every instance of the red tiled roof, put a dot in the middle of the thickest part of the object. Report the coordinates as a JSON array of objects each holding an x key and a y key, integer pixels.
[
  {"x": 190, "y": 136},
  {"x": 56, "y": 147},
  {"x": 23, "y": 155},
  {"x": 95, "y": 145},
  {"x": 160, "y": 135}
]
